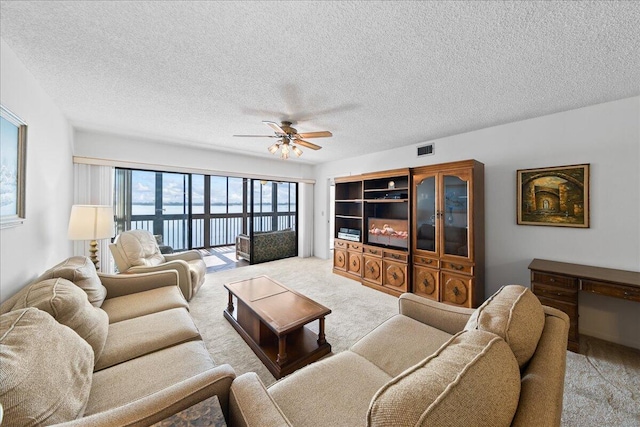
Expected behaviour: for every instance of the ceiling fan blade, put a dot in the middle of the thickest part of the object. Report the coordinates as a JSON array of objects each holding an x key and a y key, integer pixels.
[
  {"x": 276, "y": 127},
  {"x": 321, "y": 134},
  {"x": 307, "y": 144},
  {"x": 258, "y": 136}
]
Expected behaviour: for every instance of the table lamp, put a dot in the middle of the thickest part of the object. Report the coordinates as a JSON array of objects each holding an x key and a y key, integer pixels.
[{"x": 91, "y": 222}]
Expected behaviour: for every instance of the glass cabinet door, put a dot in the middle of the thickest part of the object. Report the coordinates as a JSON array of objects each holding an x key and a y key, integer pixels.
[
  {"x": 426, "y": 213},
  {"x": 455, "y": 216}
]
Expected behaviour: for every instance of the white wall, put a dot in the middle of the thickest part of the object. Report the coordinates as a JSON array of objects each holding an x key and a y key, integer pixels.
[
  {"x": 606, "y": 135},
  {"x": 145, "y": 151},
  {"x": 41, "y": 242}
]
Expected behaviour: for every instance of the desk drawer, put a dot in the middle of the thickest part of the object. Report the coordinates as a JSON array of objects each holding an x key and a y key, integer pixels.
[
  {"x": 570, "y": 309},
  {"x": 554, "y": 280},
  {"x": 556, "y": 293},
  {"x": 611, "y": 289}
]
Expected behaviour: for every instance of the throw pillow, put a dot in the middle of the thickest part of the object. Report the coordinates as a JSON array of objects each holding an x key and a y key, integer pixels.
[
  {"x": 81, "y": 271},
  {"x": 45, "y": 370},
  {"x": 68, "y": 304},
  {"x": 515, "y": 314},
  {"x": 472, "y": 380}
]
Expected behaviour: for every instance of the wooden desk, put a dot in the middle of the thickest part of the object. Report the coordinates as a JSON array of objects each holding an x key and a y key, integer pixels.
[{"x": 556, "y": 284}]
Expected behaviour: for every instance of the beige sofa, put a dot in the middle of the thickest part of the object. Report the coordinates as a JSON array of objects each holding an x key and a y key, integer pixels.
[
  {"x": 137, "y": 251},
  {"x": 81, "y": 348},
  {"x": 432, "y": 364}
]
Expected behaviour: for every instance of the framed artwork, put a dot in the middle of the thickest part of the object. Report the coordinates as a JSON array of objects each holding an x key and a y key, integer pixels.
[
  {"x": 556, "y": 196},
  {"x": 13, "y": 162}
]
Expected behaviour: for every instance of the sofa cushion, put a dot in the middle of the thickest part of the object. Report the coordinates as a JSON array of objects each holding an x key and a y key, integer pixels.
[
  {"x": 126, "y": 382},
  {"x": 143, "y": 303},
  {"x": 45, "y": 369},
  {"x": 337, "y": 391},
  {"x": 400, "y": 343},
  {"x": 474, "y": 376},
  {"x": 81, "y": 271},
  {"x": 68, "y": 304},
  {"x": 140, "y": 248},
  {"x": 142, "y": 335},
  {"x": 515, "y": 314}
]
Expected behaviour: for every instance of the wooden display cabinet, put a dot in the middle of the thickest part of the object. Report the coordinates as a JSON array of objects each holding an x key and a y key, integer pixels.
[
  {"x": 419, "y": 230},
  {"x": 448, "y": 232}
]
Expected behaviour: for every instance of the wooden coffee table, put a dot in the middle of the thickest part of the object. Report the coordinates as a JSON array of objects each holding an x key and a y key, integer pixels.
[{"x": 271, "y": 318}]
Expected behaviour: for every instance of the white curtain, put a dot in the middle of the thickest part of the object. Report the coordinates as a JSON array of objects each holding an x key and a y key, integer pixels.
[
  {"x": 93, "y": 185},
  {"x": 305, "y": 220}
]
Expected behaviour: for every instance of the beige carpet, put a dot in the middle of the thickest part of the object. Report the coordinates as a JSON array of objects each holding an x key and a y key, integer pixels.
[{"x": 601, "y": 389}]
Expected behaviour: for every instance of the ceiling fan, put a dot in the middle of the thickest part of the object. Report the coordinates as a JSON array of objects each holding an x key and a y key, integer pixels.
[{"x": 288, "y": 137}]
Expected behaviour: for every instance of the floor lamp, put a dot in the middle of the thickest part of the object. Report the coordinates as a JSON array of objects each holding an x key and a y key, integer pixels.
[{"x": 91, "y": 222}]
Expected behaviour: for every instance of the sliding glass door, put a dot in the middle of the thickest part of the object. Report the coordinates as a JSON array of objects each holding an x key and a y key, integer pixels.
[
  {"x": 201, "y": 211},
  {"x": 158, "y": 202}
]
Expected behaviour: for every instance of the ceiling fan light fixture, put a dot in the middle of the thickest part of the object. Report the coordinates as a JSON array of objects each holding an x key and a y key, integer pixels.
[
  {"x": 284, "y": 155},
  {"x": 274, "y": 148},
  {"x": 285, "y": 149},
  {"x": 297, "y": 151}
]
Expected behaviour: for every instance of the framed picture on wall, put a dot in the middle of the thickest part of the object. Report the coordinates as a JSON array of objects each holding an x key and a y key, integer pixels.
[
  {"x": 13, "y": 163},
  {"x": 556, "y": 196}
]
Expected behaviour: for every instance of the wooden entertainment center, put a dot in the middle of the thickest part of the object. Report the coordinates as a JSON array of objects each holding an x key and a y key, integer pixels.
[{"x": 415, "y": 230}]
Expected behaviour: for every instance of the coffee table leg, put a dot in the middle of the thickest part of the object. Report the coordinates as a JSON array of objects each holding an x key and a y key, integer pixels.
[
  {"x": 282, "y": 350},
  {"x": 230, "y": 305},
  {"x": 321, "y": 338}
]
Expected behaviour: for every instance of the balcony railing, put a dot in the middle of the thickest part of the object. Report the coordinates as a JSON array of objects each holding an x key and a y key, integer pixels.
[{"x": 223, "y": 228}]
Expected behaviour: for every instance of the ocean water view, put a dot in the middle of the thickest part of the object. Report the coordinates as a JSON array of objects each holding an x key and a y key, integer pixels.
[{"x": 148, "y": 209}]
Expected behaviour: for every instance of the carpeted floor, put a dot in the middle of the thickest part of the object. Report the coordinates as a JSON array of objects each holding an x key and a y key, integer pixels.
[{"x": 602, "y": 387}]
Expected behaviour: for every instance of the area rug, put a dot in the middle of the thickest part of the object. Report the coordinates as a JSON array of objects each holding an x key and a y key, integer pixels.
[{"x": 602, "y": 388}]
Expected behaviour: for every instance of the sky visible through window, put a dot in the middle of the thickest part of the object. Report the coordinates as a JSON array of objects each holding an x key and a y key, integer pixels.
[{"x": 225, "y": 192}]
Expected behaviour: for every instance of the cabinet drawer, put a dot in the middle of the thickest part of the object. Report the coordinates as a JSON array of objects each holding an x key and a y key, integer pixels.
[
  {"x": 426, "y": 261},
  {"x": 396, "y": 256},
  {"x": 372, "y": 269},
  {"x": 395, "y": 275},
  {"x": 425, "y": 282},
  {"x": 554, "y": 280},
  {"x": 372, "y": 250},
  {"x": 339, "y": 259},
  {"x": 456, "y": 289},
  {"x": 339, "y": 244},
  {"x": 611, "y": 289},
  {"x": 458, "y": 267},
  {"x": 354, "y": 263},
  {"x": 557, "y": 293},
  {"x": 354, "y": 247}
]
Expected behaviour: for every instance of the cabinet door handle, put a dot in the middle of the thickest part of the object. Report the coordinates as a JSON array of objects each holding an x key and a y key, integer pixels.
[
  {"x": 353, "y": 263},
  {"x": 371, "y": 270},
  {"x": 456, "y": 291},
  {"x": 395, "y": 276},
  {"x": 457, "y": 267},
  {"x": 394, "y": 256}
]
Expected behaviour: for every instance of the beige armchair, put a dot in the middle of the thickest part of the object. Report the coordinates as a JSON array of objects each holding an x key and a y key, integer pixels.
[{"x": 137, "y": 251}]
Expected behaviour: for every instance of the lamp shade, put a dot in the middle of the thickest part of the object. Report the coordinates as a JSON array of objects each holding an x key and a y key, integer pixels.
[{"x": 91, "y": 222}]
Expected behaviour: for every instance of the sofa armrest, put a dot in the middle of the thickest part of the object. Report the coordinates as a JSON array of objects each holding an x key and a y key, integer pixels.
[
  {"x": 448, "y": 318},
  {"x": 543, "y": 377},
  {"x": 185, "y": 256},
  {"x": 180, "y": 266},
  {"x": 250, "y": 404},
  {"x": 125, "y": 284},
  {"x": 164, "y": 403}
]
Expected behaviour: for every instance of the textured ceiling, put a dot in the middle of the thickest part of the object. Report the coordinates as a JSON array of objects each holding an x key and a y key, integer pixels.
[{"x": 376, "y": 74}]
